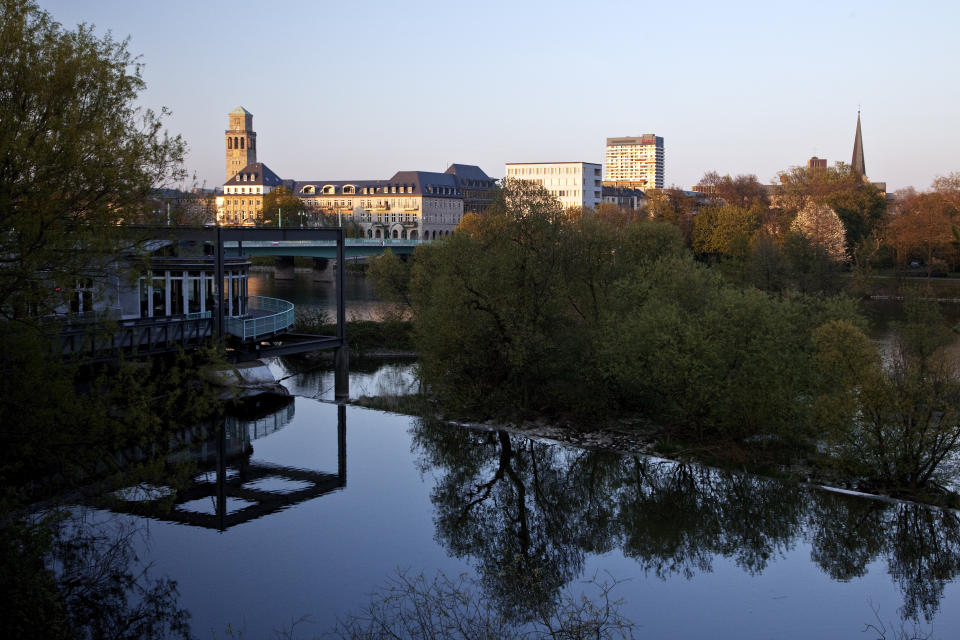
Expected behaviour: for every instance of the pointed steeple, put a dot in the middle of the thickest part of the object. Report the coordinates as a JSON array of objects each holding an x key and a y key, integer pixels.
[{"x": 857, "y": 162}]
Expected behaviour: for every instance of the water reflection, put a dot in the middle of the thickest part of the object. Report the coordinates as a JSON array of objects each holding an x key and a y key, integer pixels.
[
  {"x": 229, "y": 486},
  {"x": 526, "y": 513}
]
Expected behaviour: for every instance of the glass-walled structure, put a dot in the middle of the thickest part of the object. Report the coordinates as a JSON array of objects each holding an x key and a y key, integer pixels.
[
  {"x": 178, "y": 291},
  {"x": 179, "y": 280}
]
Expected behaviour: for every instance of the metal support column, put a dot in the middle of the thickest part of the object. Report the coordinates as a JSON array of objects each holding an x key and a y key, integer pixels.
[
  {"x": 341, "y": 378},
  {"x": 342, "y": 444},
  {"x": 218, "y": 287}
]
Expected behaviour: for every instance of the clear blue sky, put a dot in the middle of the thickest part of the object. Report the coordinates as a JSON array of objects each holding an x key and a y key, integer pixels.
[{"x": 363, "y": 89}]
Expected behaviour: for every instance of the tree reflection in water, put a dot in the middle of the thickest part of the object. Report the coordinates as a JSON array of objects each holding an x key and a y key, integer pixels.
[{"x": 528, "y": 512}]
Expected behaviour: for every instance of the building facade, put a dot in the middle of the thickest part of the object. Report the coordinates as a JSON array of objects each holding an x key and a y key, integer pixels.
[
  {"x": 624, "y": 197},
  {"x": 636, "y": 162},
  {"x": 574, "y": 184},
  {"x": 242, "y": 199},
  {"x": 411, "y": 205}
]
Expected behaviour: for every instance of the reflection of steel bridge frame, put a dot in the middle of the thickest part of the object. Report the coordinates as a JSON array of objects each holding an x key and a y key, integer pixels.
[{"x": 259, "y": 502}]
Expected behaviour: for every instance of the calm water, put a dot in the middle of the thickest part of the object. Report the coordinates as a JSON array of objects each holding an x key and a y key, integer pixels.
[
  {"x": 331, "y": 502},
  {"x": 320, "y": 297},
  {"x": 319, "y": 506}
]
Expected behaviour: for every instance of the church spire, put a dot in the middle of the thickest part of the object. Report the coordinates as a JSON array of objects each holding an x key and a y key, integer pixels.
[{"x": 857, "y": 162}]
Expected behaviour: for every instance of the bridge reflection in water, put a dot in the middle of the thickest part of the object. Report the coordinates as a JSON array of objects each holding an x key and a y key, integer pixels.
[{"x": 232, "y": 488}]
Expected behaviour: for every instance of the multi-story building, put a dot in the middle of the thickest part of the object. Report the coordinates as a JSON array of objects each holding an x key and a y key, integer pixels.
[
  {"x": 635, "y": 162},
  {"x": 475, "y": 185},
  {"x": 575, "y": 184},
  {"x": 242, "y": 199},
  {"x": 412, "y": 205}
]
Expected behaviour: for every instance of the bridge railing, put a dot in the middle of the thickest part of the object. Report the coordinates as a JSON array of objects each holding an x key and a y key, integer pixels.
[
  {"x": 270, "y": 317},
  {"x": 349, "y": 242}
]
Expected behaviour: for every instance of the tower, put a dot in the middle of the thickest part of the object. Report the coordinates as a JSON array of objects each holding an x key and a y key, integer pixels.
[
  {"x": 241, "y": 141},
  {"x": 857, "y": 163}
]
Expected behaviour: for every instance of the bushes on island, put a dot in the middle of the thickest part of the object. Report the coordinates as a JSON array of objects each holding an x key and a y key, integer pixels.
[{"x": 530, "y": 310}]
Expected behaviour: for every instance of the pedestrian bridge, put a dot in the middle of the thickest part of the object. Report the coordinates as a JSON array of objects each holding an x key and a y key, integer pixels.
[{"x": 352, "y": 247}]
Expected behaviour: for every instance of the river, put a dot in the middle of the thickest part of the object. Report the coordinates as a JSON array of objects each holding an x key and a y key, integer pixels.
[
  {"x": 695, "y": 552},
  {"x": 325, "y": 505}
]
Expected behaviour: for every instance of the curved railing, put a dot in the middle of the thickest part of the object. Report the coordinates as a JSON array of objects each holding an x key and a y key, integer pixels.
[{"x": 265, "y": 317}]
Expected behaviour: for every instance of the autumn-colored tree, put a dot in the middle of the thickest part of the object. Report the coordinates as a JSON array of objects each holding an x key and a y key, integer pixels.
[
  {"x": 742, "y": 191},
  {"x": 616, "y": 215},
  {"x": 923, "y": 226}
]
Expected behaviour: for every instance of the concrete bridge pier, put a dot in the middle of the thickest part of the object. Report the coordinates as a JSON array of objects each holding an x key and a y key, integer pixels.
[
  {"x": 283, "y": 268},
  {"x": 323, "y": 270}
]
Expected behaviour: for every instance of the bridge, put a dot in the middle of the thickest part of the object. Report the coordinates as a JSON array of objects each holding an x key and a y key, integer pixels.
[{"x": 314, "y": 248}]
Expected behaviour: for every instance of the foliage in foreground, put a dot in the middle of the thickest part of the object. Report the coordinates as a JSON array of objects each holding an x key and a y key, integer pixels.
[{"x": 77, "y": 156}]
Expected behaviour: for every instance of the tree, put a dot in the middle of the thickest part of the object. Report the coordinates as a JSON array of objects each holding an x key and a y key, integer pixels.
[
  {"x": 672, "y": 205},
  {"x": 743, "y": 191},
  {"x": 860, "y": 205},
  {"x": 280, "y": 206},
  {"x": 925, "y": 223},
  {"x": 77, "y": 156},
  {"x": 822, "y": 227},
  {"x": 727, "y": 230},
  {"x": 898, "y": 420}
]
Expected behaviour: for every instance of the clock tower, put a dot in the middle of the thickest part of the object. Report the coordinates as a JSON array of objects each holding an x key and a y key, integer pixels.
[{"x": 241, "y": 141}]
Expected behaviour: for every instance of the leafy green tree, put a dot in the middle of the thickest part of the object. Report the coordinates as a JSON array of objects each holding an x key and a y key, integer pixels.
[
  {"x": 280, "y": 206},
  {"x": 77, "y": 156},
  {"x": 894, "y": 422},
  {"x": 726, "y": 230},
  {"x": 493, "y": 322},
  {"x": 390, "y": 276}
]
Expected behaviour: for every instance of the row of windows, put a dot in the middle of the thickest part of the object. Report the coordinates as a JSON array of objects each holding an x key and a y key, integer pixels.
[
  {"x": 349, "y": 189},
  {"x": 539, "y": 171}
]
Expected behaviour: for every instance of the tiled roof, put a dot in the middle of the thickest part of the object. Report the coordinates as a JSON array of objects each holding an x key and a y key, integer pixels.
[{"x": 255, "y": 173}]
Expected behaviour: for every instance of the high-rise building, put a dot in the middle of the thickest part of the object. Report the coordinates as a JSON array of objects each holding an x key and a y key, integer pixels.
[
  {"x": 575, "y": 184},
  {"x": 635, "y": 162},
  {"x": 241, "y": 142}
]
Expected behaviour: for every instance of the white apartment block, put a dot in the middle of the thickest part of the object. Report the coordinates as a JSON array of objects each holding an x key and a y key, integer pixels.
[
  {"x": 574, "y": 184},
  {"x": 636, "y": 162}
]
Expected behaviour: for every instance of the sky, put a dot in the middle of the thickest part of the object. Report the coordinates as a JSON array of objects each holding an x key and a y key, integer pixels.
[{"x": 360, "y": 90}]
